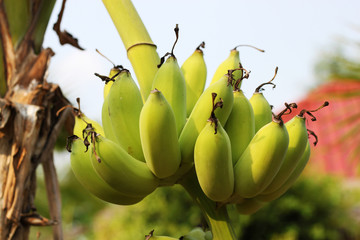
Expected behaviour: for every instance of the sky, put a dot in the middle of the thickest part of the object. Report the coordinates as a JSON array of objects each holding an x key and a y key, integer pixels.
[{"x": 294, "y": 34}]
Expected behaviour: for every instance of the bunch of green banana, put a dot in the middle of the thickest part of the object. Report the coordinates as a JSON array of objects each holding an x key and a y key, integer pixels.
[
  {"x": 296, "y": 158},
  {"x": 298, "y": 139},
  {"x": 261, "y": 107},
  {"x": 236, "y": 148},
  {"x": 213, "y": 161},
  {"x": 231, "y": 62},
  {"x": 194, "y": 70},
  {"x": 262, "y": 158}
]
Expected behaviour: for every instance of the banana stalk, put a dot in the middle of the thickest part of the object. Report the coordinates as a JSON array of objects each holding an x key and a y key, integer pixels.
[
  {"x": 140, "y": 49},
  {"x": 216, "y": 216}
]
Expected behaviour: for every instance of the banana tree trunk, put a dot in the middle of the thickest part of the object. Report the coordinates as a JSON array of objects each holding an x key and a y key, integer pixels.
[{"x": 29, "y": 124}]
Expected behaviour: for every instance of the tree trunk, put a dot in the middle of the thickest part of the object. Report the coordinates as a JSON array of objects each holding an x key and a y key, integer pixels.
[{"x": 29, "y": 123}]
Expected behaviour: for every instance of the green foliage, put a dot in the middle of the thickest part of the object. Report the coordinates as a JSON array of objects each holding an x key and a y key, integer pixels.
[
  {"x": 338, "y": 65},
  {"x": 312, "y": 209},
  {"x": 19, "y": 18},
  {"x": 169, "y": 211},
  {"x": 315, "y": 208}
]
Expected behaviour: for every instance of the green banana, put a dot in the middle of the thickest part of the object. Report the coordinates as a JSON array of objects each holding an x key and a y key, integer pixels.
[
  {"x": 240, "y": 125},
  {"x": 213, "y": 161},
  {"x": 158, "y": 136},
  {"x": 231, "y": 62},
  {"x": 107, "y": 88},
  {"x": 113, "y": 73},
  {"x": 120, "y": 170},
  {"x": 106, "y": 121},
  {"x": 84, "y": 172},
  {"x": 201, "y": 112},
  {"x": 170, "y": 81},
  {"x": 298, "y": 139},
  {"x": 124, "y": 107},
  {"x": 261, "y": 160},
  {"x": 249, "y": 206},
  {"x": 291, "y": 180},
  {"x": 105, "y": 118},
  {"x": 261, "y": 107},
  {"x": 194, "y": 71}
]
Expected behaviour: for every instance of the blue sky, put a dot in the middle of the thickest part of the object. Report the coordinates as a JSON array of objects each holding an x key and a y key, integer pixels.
[{"x": 293, "y": 33}]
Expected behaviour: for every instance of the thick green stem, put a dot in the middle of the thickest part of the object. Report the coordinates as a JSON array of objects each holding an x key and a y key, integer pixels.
[
  {"x": 140, "y": 49},
  {"x": 217, "y": 217}
]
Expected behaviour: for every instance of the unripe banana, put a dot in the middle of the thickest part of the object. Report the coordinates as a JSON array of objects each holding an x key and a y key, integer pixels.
[
  {"x": 231, "y": 62},
  {"x": 124, "y": 106},
  {"x": 158, "y": 136},
  {"x": 298, "y": 139},
  {"x": 106, "y": 121},
  {"x": 201, "y": 112},
  {"x": 240, "y": 125},
  {"x": 262, "y": 158},
  {"x": 107, "y": 88},
  {"x": 120, "y": 170},
  {"x": 291, "y": 180},
  {"x": 262, "y": 110},
  {"x": 213, "y": 162},
  {"x": 194, "y": 70},
  {"x": 113, "y": 73},
  {"x": 170, "y": 81},
  {"x": 84, "y": 172},
  {"x": 249, "y": 206},
  {"x": 105, "y": 118},
  {"x": 261, "y": 107}
]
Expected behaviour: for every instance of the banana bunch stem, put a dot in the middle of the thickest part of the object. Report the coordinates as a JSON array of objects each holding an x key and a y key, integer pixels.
[
  {"x": 140, "y": 48},
  {"x": 216, "y": 216}
]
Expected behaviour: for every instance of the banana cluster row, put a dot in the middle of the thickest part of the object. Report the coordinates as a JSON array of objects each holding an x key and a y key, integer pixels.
[{"x": 241, "y": 153}]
